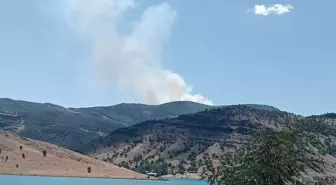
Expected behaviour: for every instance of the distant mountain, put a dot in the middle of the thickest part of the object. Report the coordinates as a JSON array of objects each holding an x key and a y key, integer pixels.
[
  {"x": 192, "y": 140},
  {"x": 326, "y": 115},
  {"x": 72, "y": 127},
  {"x": 52, "y": 123},
  {"x": 128, "y": 114},
  {"x": 261, "y": 107}
]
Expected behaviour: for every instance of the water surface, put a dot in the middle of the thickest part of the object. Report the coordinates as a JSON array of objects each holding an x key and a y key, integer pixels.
[{"x": 37, "y": 180}]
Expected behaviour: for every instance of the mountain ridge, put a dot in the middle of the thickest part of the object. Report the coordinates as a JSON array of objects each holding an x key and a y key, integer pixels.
[{"x": 69, "y": 127}]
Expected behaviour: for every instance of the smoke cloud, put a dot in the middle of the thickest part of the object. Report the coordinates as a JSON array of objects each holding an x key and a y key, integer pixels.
[{"x": 131, "y": 62}]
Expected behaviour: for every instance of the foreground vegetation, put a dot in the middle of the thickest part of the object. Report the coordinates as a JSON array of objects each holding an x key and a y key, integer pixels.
[{"x": 271, "y": 158}]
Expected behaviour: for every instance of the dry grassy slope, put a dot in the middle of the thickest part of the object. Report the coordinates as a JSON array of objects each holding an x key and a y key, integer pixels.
[{"x": 59, "y": 161}]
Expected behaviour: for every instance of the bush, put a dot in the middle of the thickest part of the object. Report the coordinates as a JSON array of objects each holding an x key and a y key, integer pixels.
[
  {"x": 215, "y": 156},
  {"x": 180, "y": 168},
  {"x": 192, "y": 156},
  {"x": 192, "y": 169},
  {"x": 137, "y": 158},
  {"x": 23, "y": 156},
  {"x": 125, "y": 164},
  {"x": 44, "y": 153},
  {"x": 89, "y": 169}
]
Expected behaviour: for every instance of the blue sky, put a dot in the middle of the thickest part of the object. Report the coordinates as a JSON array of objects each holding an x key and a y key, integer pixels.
[{"x": 226, "y": 53}]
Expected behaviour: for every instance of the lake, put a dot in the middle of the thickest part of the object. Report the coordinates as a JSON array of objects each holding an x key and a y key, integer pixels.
[{"x": 37, "y": 180}]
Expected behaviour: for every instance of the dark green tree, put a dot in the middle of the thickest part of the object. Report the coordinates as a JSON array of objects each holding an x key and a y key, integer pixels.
[
  {"x": 180, "y": 168},
  {"x": 271, "y": 158}
]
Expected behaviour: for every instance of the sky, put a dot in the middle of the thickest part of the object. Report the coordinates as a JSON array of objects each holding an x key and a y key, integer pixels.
[{"x": 104, "y": 52}]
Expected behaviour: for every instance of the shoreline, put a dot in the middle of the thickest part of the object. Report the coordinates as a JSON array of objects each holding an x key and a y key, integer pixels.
[
  {"x": 191, "y": 176},
  {"x": 86, "y": 177}
]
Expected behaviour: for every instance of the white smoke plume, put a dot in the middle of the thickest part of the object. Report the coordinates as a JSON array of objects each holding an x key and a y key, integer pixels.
[{"x": 132, "y": 61}]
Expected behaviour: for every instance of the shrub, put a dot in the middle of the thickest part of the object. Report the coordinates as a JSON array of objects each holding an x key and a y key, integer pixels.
[
  {"x": 89, "y": 169},
  {"x": 44, "y": 153}
]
